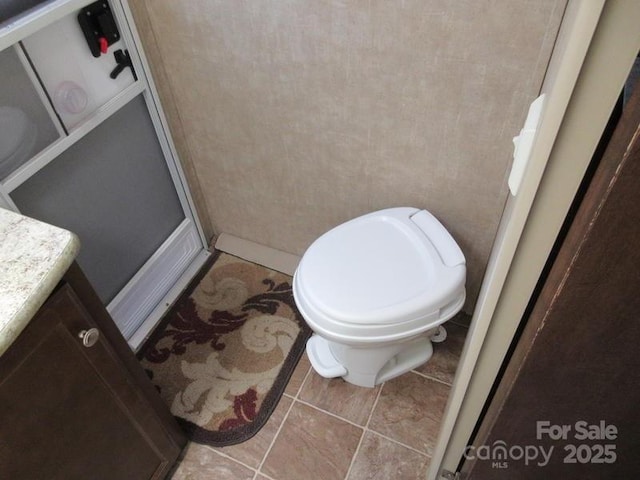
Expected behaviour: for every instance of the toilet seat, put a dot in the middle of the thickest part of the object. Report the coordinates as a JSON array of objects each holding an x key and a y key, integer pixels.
[{"x": 383, "y": 276}]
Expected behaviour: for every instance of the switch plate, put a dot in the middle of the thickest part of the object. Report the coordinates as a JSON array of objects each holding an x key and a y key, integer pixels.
[{"x": 523, "y": 144}]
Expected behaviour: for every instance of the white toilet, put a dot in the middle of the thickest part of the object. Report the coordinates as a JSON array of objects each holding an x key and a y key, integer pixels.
[
  {"x": 18, "y": 136},
  {"x": 375, "y": 291}
]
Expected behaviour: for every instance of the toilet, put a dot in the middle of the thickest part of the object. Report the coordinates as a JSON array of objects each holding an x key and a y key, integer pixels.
[
  {"x": 376, "y": 291},
  {"x": 18, "y": 137}
]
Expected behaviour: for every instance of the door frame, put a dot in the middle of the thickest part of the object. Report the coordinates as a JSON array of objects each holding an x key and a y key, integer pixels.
[
  {"x": 564, "y": 308},
  {"x": 596, "y": 46}
]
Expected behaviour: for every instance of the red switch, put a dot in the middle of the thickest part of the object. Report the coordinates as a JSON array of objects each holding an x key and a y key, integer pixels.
[{"x": 104, "y": 45}]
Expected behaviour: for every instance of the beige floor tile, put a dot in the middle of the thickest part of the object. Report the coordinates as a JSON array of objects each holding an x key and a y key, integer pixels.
[
  {"x": 442, "y": 365},
  {"x": 295, "y": 382},
  {"x": 339, "y": 397},
  {"x": 410, "y": 410},
  {"x": 203, "y": 463},
  {"x": 312, "y": 445},
  {"x": 382, "y": 459},
  {"x": 253, "y": 450}
]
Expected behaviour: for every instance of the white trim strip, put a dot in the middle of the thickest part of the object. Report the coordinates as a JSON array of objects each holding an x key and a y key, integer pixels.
[{"x": 256, "y": 253}]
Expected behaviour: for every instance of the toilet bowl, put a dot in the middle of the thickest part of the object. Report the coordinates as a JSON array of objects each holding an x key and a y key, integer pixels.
[
  {"x": 376, "y": 291},
  {"x": 18, "y": 136}
]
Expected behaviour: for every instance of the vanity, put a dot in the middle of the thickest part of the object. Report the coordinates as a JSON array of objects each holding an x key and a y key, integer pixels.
[{"x": 75, "y": 403}]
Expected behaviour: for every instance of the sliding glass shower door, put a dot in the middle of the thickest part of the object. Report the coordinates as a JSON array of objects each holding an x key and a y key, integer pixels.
[{"x": 113, "y": 189}]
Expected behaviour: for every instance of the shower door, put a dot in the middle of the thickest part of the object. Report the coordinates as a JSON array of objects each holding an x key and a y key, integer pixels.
[{"x": 113, "y": 189}]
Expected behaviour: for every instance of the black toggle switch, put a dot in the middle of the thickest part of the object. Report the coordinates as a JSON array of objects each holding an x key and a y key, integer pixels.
[
  {"x": 99, "y": 27},
  {"x": 123, "y": 60}
]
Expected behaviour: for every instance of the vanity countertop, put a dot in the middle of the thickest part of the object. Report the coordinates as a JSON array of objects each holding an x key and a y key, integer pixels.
[{"x": 33, "y": 258}]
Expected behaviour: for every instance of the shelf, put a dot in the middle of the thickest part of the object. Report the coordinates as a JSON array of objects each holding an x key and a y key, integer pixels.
[
  {"x": 42, "y": 159},
  {"x": 17, "y": 28}
]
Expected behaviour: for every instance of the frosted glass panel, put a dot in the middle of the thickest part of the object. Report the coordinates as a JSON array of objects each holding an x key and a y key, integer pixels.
[
  {"x": 114, "y": 191},
  {"x": 25, "y": 125}
]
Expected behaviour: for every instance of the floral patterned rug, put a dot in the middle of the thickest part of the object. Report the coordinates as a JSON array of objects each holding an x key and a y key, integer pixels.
[{"x": 224, "y": 353}]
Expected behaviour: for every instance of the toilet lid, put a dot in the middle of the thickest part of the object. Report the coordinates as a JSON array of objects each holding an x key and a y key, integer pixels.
[{"x": 388, "y": 267}]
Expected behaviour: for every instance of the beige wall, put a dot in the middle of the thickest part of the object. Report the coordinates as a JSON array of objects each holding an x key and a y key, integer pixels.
[{"x": 298, "y": 115}]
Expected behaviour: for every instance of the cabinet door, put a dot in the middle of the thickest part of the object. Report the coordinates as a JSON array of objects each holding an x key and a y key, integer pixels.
[{"x": 73, "y": 412}]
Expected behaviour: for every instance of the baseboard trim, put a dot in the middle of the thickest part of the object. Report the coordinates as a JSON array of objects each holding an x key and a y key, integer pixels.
[{"x": 254, "y": 252}]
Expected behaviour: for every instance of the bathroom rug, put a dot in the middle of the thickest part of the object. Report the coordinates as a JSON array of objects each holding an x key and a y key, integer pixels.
[{"x": 222, "y": 356}]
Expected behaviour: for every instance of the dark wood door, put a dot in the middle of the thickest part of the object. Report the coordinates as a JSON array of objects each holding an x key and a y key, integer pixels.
[
  {"x": 71, "y": 411},
  {"x": 572, "y": 386}
]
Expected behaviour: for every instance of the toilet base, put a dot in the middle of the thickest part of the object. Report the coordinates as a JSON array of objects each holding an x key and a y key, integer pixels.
[
  {"x": 368, "y": 367},
  {"x": 414, "y": 356}
]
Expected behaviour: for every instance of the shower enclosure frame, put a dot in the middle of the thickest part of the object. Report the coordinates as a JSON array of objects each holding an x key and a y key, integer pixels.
[{"x": 140, "y": 304}]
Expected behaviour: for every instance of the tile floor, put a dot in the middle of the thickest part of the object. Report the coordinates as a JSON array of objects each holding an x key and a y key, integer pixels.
[{"x": 332, "y": 430}]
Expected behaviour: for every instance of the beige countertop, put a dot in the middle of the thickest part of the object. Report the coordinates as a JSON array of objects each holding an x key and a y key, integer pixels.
[{"x": 33, "y": 258}]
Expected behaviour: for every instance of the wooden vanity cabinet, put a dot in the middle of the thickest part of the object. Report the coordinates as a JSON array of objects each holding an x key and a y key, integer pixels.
[{"x": 74, "y": 409}]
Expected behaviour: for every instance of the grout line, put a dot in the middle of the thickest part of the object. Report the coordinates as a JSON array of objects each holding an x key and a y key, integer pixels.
[
  {"x": 315, "y": 407},
  {"x": 275, "y": 437},
  {"x": 304, "y": 380},
  {"x": 366, "y": 429},
  {"x": 429, "y": 377},
  {"x": 255, "y": 476},
  {"x": 355, "y": 454},
  {"x": 375, "y": 404},
  {"x": 414, "y": 449},
  {"x": 369, "y": 429},
  {"x": 228, "y": 457}
]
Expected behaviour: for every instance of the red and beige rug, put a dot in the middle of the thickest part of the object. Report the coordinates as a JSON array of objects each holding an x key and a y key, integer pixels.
[{"x": 222, "y": 356}]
